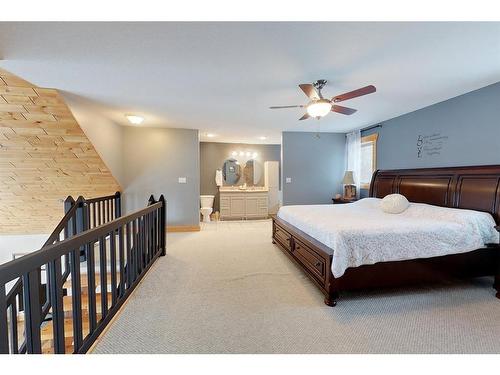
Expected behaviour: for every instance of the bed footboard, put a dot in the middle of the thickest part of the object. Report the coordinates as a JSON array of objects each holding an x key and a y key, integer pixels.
[{"x": 315, "y": 260}]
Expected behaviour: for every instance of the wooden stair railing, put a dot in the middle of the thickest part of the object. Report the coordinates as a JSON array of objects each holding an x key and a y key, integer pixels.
[
  {"x": 91, "y": 263},
  {"x": 99, "y": 210}
]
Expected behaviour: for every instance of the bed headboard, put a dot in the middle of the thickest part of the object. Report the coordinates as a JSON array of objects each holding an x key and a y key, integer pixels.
[{"x": 475, "y": 188}]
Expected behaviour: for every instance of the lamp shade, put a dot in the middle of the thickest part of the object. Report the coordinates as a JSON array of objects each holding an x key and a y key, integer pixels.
[
  {"x": 319, "y": 108},
  {"x": 348, "y": 178}
]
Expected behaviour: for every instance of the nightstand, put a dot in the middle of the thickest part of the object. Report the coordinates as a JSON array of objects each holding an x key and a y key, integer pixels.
[{"x": 342, "y": 200}]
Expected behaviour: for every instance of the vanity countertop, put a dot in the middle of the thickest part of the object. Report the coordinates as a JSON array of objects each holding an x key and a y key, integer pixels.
[{"x": 235, "y": 189}]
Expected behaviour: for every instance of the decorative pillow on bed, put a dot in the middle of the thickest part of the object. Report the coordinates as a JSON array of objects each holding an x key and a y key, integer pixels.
[{"x": 394, "y": 203}]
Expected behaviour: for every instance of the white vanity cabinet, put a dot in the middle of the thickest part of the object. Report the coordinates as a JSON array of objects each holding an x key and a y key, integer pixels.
[{"x": 243, "y": 204}]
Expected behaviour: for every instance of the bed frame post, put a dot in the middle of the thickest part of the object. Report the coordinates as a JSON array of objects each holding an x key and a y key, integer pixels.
[
  {"x": 496, "y": 283},
  {"x": 331, "y": 299}
]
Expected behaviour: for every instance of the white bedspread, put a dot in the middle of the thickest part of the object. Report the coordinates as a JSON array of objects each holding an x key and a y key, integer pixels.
[{"x": 361, "y": 233}]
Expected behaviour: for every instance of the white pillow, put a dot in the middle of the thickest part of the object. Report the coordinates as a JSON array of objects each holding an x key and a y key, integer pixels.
[{"x": 394, "y": 203}]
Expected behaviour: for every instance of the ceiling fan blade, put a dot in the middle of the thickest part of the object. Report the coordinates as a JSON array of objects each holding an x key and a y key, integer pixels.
[
  {"x": 354, "y": 94},
  {"x": 343, "y": 110},
  {"x": 286, "y": 106},
  {"x": 309, "y": 90},
  {"x": 305, "y": 117}
]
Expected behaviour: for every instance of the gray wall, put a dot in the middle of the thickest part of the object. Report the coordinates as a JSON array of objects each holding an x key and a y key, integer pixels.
[
  {"x": 460, "y": 131},
  {"x": 316, "y": 166},
  {"x": 106, "y": 136},
  {"x": 213, "y": 155},
  {"x": 153, "y": 160}
]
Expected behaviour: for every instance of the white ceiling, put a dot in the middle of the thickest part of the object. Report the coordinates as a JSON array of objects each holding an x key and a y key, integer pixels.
[{"x": 222, "y": 77}]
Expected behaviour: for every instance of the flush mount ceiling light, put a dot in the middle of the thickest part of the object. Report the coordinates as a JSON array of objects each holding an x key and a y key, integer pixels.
[
  {"x": 210, "y": 135},
  {"x": 133, "y": 119},
  {"x": 262, "y": 138},
  {"x": 319, "y": 108}
]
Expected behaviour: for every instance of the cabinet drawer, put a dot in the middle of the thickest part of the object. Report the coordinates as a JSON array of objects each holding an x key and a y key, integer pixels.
[
  {"x": 310, "y": 259},
  {"x": 262, "y": 202},
  {"x": 225, "y": 202},
  {"x": 238, "y": 206},
  {"x": 263, "y": 211},
  {"x": 283, "y": 237}
]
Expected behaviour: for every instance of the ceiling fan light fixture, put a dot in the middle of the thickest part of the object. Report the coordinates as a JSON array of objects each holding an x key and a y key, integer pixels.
[{"x": 319, "y": 108}]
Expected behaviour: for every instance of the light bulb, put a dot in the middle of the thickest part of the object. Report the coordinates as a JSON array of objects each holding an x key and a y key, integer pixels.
[
  {"x": 319, "y": 108},
  {"x": 133, "y": 119}
]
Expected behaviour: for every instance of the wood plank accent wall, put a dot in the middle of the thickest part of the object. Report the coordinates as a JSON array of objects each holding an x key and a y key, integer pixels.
[{"x": 44, "y": 157}]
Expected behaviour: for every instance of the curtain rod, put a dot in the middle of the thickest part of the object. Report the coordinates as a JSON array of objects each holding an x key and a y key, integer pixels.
[
  {"x": 371, "y": 127},
  {"x": 368, "y": 128}
]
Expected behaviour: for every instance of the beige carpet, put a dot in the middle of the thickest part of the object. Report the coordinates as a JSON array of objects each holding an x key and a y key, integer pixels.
[{"x": 228, "y": 289}]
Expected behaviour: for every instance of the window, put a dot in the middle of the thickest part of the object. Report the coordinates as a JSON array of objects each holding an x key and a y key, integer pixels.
[{"x": 368, "y": 159}]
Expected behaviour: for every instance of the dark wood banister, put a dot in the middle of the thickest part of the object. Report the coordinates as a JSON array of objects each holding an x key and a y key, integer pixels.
[
  {"x": 12, "y": 269},
  {"x": 80, "y": 237},
  {"x": 71, "y": 206},
  {"x": 55, "y": 235}
]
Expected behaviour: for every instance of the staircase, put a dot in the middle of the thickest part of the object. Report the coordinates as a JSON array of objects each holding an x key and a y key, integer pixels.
[
  {"x": 47, "y": 332},
  {"x": 60, "y": 298}
]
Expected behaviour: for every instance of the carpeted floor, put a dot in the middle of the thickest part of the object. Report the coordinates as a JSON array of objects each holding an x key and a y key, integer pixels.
[{"x": 228, "y": 289}]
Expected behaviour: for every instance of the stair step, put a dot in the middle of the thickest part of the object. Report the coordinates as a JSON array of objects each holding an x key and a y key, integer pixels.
[
  {"x": 68, "y": 302},
  {"x": 84, "y": 279},
  {"x": 46, "y": 330}
]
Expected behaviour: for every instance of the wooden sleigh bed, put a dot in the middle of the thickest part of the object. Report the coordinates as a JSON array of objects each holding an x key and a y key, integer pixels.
[{"x": 475, "y": 188}]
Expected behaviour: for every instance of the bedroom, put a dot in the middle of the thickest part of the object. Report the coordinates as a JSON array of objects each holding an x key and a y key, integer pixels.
[{"x": 249, "y": 187}]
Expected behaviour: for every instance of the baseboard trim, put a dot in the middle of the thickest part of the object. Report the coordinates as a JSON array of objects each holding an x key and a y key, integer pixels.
[{"x": 183, "y": 228}]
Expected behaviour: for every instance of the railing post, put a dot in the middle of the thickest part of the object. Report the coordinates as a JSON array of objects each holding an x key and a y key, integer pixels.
[
  {"x": 32, "y": 311},
  {"x": 76, "y": 299},
  {"x": 4, "y": 335},
  {"x": 151, "y": 200},
  {"x": 163, "y": 225},
  {"x": 81, "y": 224},
  {"x": 118, "y": 204},
  {"x": 56, "y": 299},
  {"x": 68, "y": 204}
]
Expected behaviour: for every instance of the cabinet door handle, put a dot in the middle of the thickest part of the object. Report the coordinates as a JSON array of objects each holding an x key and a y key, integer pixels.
[{"x": 318, "y": 264}]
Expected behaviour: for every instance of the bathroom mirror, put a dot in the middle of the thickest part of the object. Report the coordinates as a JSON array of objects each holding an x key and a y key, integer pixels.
[
  {"x": 252, "y": 172},
  {"x": 231, "y": 171}
]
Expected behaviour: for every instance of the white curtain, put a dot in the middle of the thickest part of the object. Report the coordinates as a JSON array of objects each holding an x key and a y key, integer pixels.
[{"x": 353, "y": 157}]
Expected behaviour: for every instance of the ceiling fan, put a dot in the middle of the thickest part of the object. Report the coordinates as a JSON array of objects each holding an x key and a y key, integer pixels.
[{"x": 319, "y": 106}]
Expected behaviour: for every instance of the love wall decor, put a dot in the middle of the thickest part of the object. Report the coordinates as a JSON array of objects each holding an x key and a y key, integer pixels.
[{"x": 430, "y": 144}]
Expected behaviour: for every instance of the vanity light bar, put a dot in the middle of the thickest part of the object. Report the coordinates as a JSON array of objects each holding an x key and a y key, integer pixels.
[{"x": 242, "y": 153}]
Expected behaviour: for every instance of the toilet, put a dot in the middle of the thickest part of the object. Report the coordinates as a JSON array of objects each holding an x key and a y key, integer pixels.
[{"x": 206, "y": 203}]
